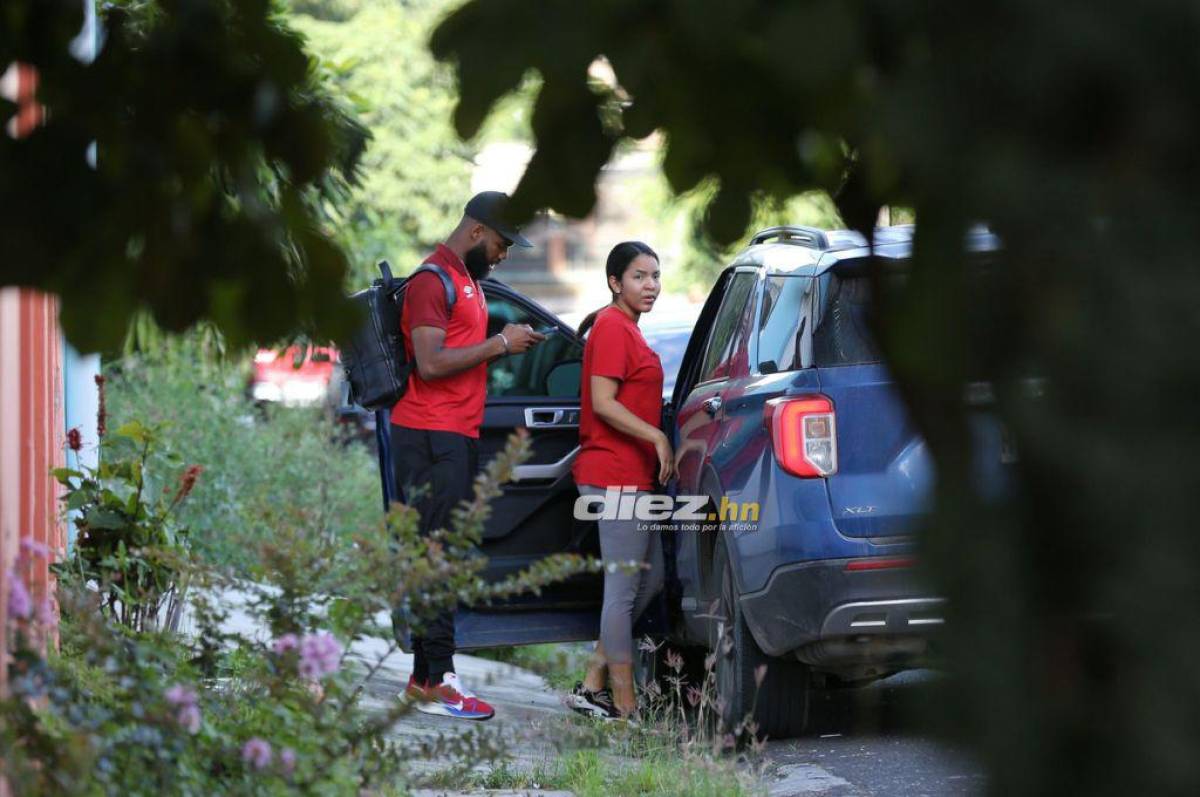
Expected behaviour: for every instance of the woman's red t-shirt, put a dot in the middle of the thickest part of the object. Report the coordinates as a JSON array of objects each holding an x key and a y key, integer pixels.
[{"x": 608, "y": 458}]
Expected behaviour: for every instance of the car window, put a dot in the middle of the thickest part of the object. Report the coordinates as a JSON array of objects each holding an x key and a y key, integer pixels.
[
  {"x": 547, "y": 369},
  {"x": 842, "y": 336},
  {"x": 785, "y": 325},
  {"x": 670, "y": 346},
  {"x": 723, "y": 338}
]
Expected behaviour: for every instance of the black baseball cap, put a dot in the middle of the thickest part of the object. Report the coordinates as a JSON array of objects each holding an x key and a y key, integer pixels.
[{"x": 487, "y": 207}]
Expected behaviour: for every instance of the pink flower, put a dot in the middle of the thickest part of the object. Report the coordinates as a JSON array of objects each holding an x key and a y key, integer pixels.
[
  {"x": 31, "y": 547},
  {"x": 189, "y": 718},
  {"x": 20, "y": 605},
  {"x": 287, "y": 760},
  {"x": 180, "y": 695},
  {"x": 47, "y": 617},
  {"x": 74, "y": 439},
  {"x": 183, "y": 700},
  {"x": 257, "y": 753},
  {"x": 320, "y": 655},
  {"x": 285, "y": 643}
]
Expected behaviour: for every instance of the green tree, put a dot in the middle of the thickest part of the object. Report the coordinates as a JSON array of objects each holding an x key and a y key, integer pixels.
[
  {"x": 416, "y": 173},
  {"x": 220, "y": 152},
  {"x": 1070, "y": 128}
]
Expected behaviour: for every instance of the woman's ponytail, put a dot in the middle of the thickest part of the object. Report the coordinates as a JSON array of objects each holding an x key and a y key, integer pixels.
[{"x": 587, "y": 322}]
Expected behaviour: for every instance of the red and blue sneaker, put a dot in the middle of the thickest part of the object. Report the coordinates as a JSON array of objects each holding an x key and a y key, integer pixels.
[{"x": 449, "y": 699}]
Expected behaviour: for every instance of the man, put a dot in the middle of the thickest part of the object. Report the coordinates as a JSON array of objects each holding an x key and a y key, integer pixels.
[{"x": 435, "y": 426}]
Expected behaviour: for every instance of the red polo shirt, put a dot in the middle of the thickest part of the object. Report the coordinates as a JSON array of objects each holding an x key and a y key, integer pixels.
[
  {"x": 454, "y": 403},
  {"x": 609, "y": 458}
]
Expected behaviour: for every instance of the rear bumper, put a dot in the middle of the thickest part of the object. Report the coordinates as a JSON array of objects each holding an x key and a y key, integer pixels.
[
  {"x": 898, "y": 616},
  {"x": 819, "y": 610}
]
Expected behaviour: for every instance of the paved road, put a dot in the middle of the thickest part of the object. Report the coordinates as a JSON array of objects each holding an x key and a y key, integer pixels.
[{"x": 869, "y": 745}]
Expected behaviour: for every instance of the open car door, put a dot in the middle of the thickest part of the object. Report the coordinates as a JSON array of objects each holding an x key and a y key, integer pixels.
[{"x": 537, "y": 391}]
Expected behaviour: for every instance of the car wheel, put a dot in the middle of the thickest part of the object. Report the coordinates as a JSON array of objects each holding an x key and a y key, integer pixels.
[{"x": 780, "y": 706}]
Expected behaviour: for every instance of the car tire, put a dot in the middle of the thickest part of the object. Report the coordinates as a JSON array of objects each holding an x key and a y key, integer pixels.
[{"x": 778, "y": 709}]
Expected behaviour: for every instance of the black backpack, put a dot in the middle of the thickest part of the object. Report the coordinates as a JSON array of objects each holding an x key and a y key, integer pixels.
[{"x": 376, "y": 365}]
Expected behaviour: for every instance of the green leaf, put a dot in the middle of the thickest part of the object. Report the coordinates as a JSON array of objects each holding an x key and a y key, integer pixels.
[
  {"x": 346, "y": 616},
  {"x": 105, "y": 519},
  {"x": 134, "y": 430}
]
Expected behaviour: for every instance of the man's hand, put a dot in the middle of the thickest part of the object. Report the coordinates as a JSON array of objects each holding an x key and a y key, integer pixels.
[{"x": 520, "y": 337}]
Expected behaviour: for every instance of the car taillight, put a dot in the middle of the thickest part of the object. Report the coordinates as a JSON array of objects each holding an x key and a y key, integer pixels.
[{"x": 804, "y": 433}]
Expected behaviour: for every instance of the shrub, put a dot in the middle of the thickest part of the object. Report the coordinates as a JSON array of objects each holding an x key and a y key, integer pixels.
[
  {"x": 141, "y": 709},
  {"x": 128, "y": 531},
  {"x": 257, "y": 460}
]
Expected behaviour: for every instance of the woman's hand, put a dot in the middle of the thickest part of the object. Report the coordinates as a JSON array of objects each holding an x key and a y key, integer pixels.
[{"x": 666, "y": 458}]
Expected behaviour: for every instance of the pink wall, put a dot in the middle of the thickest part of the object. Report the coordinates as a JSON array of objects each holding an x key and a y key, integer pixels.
[
  {"x": 31, "y": 441},
  {"x": 31, "y": 417}
]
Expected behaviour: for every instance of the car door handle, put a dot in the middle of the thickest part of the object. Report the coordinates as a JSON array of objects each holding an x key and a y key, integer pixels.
[
  {"x": 712, "y": 406},
  {"x": 552, "y": 472},
  {"x": 551, "y": 417}
]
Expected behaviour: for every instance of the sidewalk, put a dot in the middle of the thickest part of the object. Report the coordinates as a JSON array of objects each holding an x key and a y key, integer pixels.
[{"x": 526, "y": 707}]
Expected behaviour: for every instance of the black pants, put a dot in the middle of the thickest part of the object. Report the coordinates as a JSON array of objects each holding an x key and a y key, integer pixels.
[{"x": 438, "y": 468}]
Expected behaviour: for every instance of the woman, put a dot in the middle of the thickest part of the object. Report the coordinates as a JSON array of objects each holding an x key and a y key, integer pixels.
[{"x": 621, "y": 445}]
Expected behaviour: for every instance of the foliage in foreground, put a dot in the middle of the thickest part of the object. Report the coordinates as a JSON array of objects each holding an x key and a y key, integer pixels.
[
  {"x": 220, "y": 150},
  {"x": 130, "y": 708},
  {"x": 1070, "y": 129}
]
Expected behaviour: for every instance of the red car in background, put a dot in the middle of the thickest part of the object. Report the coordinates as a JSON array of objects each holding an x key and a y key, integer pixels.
[
  {"x": 303, "y": 376},
  {"x": 299, "y": 376}
]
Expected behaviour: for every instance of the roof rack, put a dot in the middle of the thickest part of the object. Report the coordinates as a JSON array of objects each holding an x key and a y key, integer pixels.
[{"x": 802, "y": 236}]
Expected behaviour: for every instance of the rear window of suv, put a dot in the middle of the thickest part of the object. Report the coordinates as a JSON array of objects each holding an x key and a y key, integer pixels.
[
  {"x": 798, "y": 329},
  {"x": 841, "y": 335}
]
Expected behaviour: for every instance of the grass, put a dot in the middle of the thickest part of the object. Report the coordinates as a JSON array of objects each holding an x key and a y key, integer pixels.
[
  {"x": 593, "y": 773},
  {"x": 676, "y": 749}
]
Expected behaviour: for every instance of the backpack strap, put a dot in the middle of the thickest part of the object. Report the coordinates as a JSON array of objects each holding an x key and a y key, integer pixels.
[
  {"x": 385, "y": 269},
  {"x": 447, "y": 283}
]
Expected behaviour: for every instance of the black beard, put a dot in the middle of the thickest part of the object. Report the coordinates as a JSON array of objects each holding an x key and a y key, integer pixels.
[{"x": 476, "y": 261}]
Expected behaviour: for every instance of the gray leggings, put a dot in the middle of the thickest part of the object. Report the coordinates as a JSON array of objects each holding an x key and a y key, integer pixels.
[{"x": 626, "y": 595}]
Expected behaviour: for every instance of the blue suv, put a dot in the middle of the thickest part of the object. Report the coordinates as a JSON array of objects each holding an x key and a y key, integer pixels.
[{"x": 791, "y": 436}]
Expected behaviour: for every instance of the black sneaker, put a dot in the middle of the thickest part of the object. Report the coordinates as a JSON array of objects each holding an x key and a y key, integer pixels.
[{"x": 592, "y": 704}]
